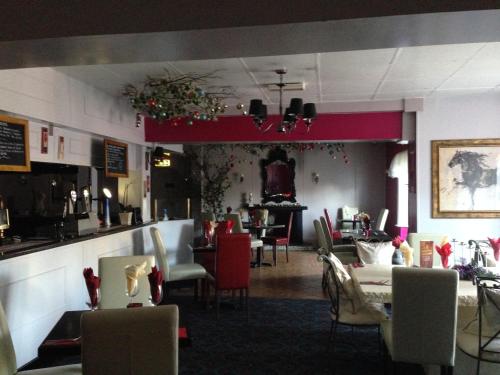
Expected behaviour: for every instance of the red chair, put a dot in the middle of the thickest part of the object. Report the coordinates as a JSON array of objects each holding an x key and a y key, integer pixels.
[
  {"x": 328, "y": 221},
  {"x": 279, "y": 241},
  {"x": 232, "y": 266}
]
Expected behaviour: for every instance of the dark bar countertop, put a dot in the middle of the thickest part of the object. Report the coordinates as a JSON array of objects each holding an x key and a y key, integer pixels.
[{"x": 33, "y": 245}]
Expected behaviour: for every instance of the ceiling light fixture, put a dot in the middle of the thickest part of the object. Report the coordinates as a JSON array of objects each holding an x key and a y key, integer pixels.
[{"x": 292, "y": 115}]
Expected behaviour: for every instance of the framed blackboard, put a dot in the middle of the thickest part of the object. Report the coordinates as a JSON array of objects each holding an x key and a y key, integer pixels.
[
  {"x": 115, "y": 158},
  {"x": 14, "y": 145}
]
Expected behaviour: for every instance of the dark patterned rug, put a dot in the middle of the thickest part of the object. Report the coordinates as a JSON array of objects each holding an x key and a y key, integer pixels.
[{"x": 282, "y": 336}]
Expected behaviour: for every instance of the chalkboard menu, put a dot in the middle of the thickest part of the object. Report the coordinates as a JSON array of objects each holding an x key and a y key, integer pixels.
[
  {"x": 115, "y": 159},
  {"x": 14, "y": 145}
]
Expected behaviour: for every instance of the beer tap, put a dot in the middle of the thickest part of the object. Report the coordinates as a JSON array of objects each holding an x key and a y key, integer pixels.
[{"x": 4, "y": 218}]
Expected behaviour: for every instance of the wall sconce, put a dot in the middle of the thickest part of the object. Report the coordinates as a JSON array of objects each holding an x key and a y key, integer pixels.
[{"x": 315, "y": 177}]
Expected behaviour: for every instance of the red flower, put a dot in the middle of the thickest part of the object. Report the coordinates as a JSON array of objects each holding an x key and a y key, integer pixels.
[{"x": 396, "y": 242}]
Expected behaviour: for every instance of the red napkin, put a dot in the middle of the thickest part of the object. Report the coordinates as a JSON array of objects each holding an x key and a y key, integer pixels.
[
  {"x": 93, "y": 283},
  {"x": 155, "y": 280},
  {"x": 444, "y": 251},
  {"x": 396, "y": 242},
  {"x": 495, "y": 244},
  {"x": 336, "y": 235}
]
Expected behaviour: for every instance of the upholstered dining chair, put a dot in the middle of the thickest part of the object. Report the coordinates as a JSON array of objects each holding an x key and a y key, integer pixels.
[
  {"x": 381, "y": 219},
  {"x": 114, "y": 284},
  {"x": 8, "y": 363},
  {"x": 232, "y": 270},
  {"x": 131, "y": 341},
  {"x": 276, "y": 241},
  {"x": 424, "y": 317},
  {"x": 177, "y": 272},
  {"x": 328, "y": 222},
  {"x": 345, "y": 252},
  {"x": 347, "y": 308},
  {"x": 207, "y": 216},
  {"x": 347, "y": 214},
  {"x": 480, "y": 336},
  {"x": 256, "y": 243}
]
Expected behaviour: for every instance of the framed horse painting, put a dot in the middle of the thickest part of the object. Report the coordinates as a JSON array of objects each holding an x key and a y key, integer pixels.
[{"x": 466, "y": 178}]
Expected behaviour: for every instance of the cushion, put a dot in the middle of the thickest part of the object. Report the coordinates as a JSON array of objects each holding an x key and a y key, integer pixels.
[
  {"x": 188, "y": 271},
  {"x": 375, "y": 252}
]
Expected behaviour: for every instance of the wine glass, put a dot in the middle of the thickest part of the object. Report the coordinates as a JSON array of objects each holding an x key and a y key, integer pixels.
[
  {"x": 132, "y": 288},
  {"x": 94, "y": 302},
  {"x": 156, "y": 295}
]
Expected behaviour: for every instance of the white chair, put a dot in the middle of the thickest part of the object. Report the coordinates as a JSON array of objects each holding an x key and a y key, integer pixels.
[
  {"x": 347, "y": 214},
  {"x": 480, "y": 336},
  {"x": 131, "y": 341},
  {"x": 177, "y": 272},
  {"x": 207, "y": 216},
  {"x": 238, "y": 228},
  {"x": 347, "y": 308},
  {"x": 424, "y": 317},
  {"x": 8, "y": 364},
  {"x": 381, "y": 219},
  {"x": 414, "y": 240},
  {"x": 114, "y": 283}
]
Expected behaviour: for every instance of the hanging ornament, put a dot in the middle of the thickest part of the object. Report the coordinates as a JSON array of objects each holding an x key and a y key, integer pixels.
[
  {"x": 240, "y": 106},
  {"x": 189, "y": 122},
  {"x": 151, "y": 103}
]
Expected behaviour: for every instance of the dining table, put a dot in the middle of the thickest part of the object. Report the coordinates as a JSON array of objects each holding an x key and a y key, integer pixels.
[
  {"x": 258, "y": 229},
  {"x": 375, "y": 284}
]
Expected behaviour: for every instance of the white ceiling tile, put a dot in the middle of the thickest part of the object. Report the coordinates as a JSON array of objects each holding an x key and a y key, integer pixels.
[{"x": 438, "y": 53}]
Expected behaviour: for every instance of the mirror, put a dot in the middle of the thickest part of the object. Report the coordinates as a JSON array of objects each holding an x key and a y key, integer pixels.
[{"x": 278, "y": 176}]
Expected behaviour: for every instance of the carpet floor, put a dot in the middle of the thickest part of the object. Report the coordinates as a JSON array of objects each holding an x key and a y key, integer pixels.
[{"x": 282, "y": 336}]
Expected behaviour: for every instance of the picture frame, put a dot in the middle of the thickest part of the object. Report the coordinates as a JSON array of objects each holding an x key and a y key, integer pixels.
[
  {"x": 465, "y": 178},
  {"x": 14, "y": 144}
]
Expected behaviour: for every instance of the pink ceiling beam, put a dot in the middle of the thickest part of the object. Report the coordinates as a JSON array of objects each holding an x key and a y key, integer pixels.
[{"x": 327, "y": 127}]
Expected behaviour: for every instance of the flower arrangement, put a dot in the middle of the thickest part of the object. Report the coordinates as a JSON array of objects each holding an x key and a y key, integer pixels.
[
  {"x": 365, "y": 219},
  {"x": 177, "y": 97},
  {"x": 471, "y": 270}
]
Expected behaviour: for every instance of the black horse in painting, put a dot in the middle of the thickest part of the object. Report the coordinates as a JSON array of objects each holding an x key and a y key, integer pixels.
[{"x": 475, "y": 172}]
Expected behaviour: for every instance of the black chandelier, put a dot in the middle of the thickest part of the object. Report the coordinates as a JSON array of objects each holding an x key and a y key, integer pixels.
[{"x": 295, "y": 112}]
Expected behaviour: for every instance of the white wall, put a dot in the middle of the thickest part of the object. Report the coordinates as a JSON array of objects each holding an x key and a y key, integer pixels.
[
  {"x": 48, "y": 95},
  {"x": 361, "y": 183},
  {"x": 453, "y": 117}
]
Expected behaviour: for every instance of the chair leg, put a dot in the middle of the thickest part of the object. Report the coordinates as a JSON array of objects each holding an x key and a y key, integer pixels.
[
  {"x": 286, "y": 250},
  {"x": 246, "y": 304},
  {"x": 196, "y": 289},
  {"x": 217, "y": 303},
  {"x": 333, "y": 334},
  {"x": 446, "y": 370},
  {"x": 275, "y": 260}
]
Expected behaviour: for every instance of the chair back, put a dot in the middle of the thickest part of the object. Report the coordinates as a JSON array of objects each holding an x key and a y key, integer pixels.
[
  {"x": 328, "y": 222},
  {"x": 414, "y": 240},
  {"x": 114, "y": 283},
  {"x": 381, "y": 219},
  {"x": 320, "y": 236},
  {"x": 160, "y": 252},
  {"x": 328, "y": 238},
  {"x": 237, "y": 224},
  {"x": 207, "y": 216},
  {"x": 424, "y": 315},
  {"x": 349, "y": 212},
  {"x": 131, "y": 341},
  {"x": 488, "y": 292},
  {"x": 262, "y": 214},
  {"x": 232, "y": 261},
  {"x": 8, "y": 365},
  {"x": 333, "y": 283}
]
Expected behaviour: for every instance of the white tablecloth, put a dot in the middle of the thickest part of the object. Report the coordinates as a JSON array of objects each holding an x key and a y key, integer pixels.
[{"x": 377, "y": 273}]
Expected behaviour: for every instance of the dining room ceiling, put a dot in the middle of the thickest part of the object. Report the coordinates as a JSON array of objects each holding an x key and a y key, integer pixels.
[{"x": 345, "y": 76}]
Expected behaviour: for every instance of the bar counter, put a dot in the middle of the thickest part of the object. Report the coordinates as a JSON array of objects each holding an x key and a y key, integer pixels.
[
  {"x": 32, "y": 245},
  {"x": 40, "y": 283}
]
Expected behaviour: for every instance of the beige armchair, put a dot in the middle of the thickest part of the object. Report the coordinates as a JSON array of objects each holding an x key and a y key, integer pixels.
[
  {"x": 131, "y": 341},
  {"x": 8, "y": 364},
  {"x": 114, "y": 283}
]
